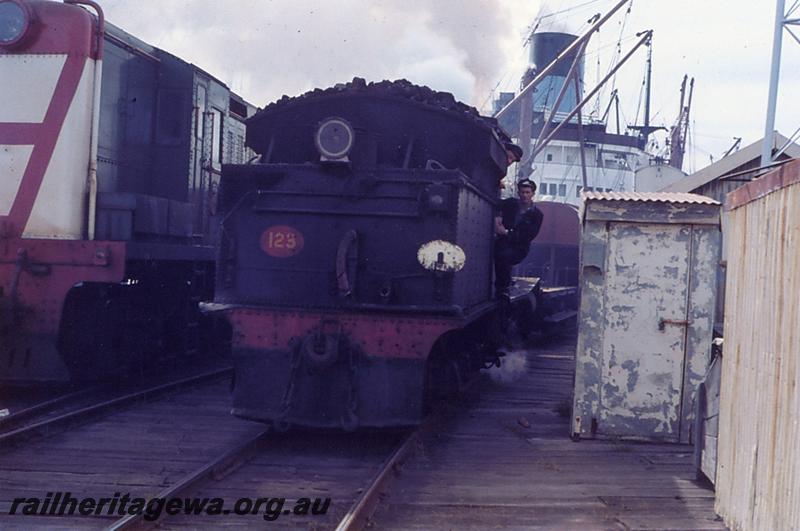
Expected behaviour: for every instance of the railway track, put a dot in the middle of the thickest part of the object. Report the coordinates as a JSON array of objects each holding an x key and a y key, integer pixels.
[
  {"x": 81, "y": 406},
  {"x": 378, "y": 458},
  {"x": 341, "y": 477},
  {"x": 20, "y": 413},
  {"x": 358, "y": 517},
  {"x": 180, "y": 442},
  {"x": 475, "y": 470}
]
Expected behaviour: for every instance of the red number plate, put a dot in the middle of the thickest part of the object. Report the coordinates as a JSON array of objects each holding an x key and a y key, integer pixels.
[{"x": 282, "y": 241}]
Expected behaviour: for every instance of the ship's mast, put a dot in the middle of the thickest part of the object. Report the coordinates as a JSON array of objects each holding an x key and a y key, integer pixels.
[
  {"x": 581, "y": 144},
  {"x": 646, "y": 131},
  {"x": 680, "y": 131}
]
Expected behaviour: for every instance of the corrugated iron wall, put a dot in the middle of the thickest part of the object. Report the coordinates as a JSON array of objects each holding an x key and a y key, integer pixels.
[{"x": 758, "y": 474}]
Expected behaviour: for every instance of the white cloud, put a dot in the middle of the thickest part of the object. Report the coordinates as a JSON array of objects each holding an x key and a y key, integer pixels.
[
  {"x": 266, "y": 48},
  {"x": 273, "y": 48}
]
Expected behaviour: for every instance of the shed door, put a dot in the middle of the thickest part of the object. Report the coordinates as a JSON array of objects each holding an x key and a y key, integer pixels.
[{"x": 646, "y": 281}]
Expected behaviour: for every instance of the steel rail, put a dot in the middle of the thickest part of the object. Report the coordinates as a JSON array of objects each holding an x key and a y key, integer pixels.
[
  {"x": 358, "y": 515},
  {"x": 22, "y": 414},
  {"x": 86, "y": 413},
  {"x": 224, "y": 464},
  {"x": 230, "y": 460}
]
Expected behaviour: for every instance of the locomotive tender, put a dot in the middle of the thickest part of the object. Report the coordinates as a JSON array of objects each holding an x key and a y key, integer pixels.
[
  {"x": 110, "y": 157},
  {"x": 355, "y": 262}
]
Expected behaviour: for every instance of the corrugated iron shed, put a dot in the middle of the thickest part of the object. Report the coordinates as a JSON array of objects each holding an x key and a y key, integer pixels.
[
  {"x": 655, "y": 197},
  {"x": 640, "y": 207}
]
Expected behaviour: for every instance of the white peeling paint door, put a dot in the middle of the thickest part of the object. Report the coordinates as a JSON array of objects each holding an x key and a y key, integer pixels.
[{"x": 646, "y": 281}]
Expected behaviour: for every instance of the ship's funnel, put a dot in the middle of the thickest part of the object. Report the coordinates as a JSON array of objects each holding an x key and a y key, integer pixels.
[{"x": 544, "y": 48}]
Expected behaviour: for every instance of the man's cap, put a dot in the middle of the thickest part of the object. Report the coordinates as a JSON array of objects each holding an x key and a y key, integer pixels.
[
  {"x": 526, "y": 182},
  {"x": 514, "y": 150}
]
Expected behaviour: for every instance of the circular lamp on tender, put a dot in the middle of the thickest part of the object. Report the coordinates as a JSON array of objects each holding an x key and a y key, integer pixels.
[{"x": 334, "y": 139}]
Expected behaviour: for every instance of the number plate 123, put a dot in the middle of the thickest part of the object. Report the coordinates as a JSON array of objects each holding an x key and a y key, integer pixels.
[{"x": 282, "y": 241}]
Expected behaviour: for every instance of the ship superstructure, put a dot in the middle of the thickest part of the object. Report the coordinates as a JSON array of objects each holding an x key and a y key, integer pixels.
[{"x": 566, "y": 150}]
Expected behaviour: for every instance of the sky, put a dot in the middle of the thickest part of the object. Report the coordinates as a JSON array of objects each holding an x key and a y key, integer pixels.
[{"x": 264, "y": 49}]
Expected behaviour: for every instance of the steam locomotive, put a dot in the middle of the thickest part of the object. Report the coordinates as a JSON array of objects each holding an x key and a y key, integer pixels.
[
  {"x": 110, "y": 157},
  {"x": 355, "y": 254}
]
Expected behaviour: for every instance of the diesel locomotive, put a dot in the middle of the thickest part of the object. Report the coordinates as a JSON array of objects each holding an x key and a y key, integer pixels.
[
  {"x": 110, "y": 158},
  {"x": 355, "y": 261}
]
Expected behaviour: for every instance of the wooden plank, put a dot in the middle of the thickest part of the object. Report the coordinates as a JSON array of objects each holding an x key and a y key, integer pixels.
[{"x": 483, "y": 468}]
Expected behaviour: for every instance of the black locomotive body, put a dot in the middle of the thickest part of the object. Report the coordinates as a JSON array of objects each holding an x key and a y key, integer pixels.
[{"x": 355, "y": 261}]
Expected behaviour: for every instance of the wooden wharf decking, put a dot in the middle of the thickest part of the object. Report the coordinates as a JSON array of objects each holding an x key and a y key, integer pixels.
[
  {"x": 502, "y": 459},
  {"x": 484, "y": 468},
  {"x": 137, "y": 450},
  {"x": 144, "y": 448}
]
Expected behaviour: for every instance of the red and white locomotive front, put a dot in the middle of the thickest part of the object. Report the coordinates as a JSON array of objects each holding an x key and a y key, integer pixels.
[{"x": 50, "y": 64}]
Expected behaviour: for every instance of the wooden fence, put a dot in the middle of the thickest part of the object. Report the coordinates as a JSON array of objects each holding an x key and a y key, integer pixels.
[{"x": 758, "y": 470}]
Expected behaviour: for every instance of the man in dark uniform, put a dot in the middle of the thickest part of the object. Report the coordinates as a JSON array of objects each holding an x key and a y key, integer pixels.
[{"x": 515, "y": 226}]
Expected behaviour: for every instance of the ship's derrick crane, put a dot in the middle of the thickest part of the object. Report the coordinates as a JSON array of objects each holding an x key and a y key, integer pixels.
[{"x": 680, "y": 131}]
